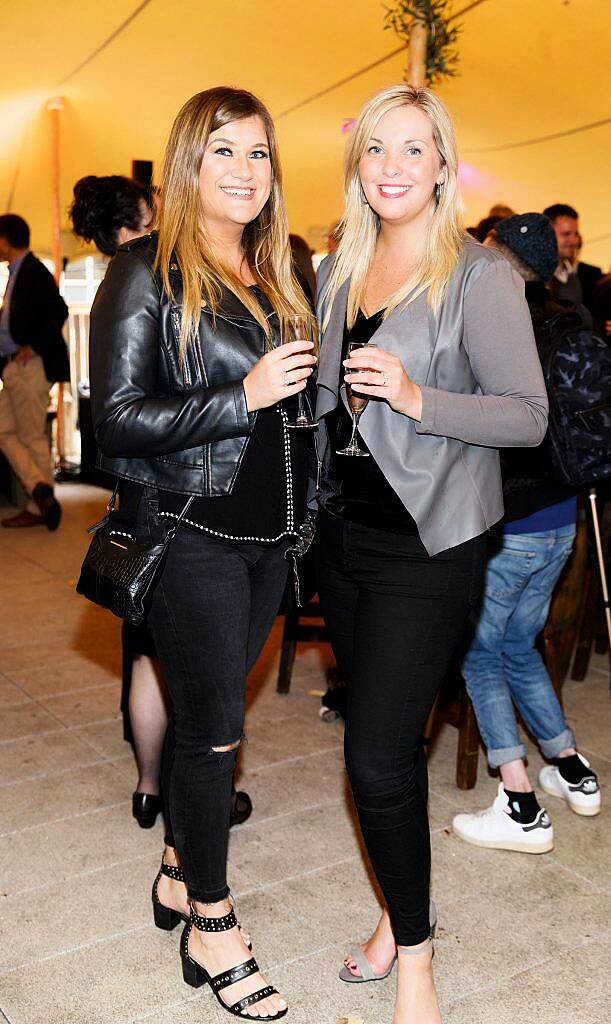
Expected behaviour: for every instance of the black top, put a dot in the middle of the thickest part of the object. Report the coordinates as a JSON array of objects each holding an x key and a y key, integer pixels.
[
  {"x": 268, "y": 499},
  {"x": 362, "y": 492}
]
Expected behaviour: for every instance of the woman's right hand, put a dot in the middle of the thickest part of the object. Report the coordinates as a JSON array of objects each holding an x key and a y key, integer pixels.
[{"x": 280, "y": 373}]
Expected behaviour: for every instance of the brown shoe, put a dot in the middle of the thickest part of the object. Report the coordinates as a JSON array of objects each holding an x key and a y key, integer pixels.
[{"x": 22, "y": 519}]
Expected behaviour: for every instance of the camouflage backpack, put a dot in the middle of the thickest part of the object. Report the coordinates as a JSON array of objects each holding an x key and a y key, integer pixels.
[{"x": 577, "y": 369}]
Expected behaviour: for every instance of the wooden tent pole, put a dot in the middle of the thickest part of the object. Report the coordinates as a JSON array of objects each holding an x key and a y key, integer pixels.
[
  {"x": 55, "y": 107},
  {"x": 416, "y": 71}
]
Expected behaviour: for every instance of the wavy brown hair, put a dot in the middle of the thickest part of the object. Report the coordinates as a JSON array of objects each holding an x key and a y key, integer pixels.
[{"x": 265, "y": 241}]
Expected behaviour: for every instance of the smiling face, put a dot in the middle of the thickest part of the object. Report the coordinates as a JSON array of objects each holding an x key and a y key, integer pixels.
[
  {"x": 567, "y": 236},
  {"x": 401, "y": 166},
  {"x": 236, "y": 175}
]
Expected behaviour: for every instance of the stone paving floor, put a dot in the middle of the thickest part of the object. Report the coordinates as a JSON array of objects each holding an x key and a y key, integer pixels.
[{"x": 524, "y": 940}]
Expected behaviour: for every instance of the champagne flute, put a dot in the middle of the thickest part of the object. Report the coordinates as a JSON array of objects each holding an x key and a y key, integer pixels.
[
  {"x": 357, "y": 404},
  {"x": 297, "y": 327}
]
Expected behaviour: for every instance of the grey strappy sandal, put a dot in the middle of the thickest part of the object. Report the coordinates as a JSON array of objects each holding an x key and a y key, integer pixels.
[{"x": 367, "y": 972}]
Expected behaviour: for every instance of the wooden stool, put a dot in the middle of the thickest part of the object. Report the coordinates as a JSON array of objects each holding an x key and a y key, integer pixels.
[
  {"x": 558, "y": 641},
  {"x": 592, "y": 631},
  {"x": 295, "y": 631},
  {"x": 567, "y": 611},
  {"x": 453, "y": 704},
  {"x": 454, "y": 707}
]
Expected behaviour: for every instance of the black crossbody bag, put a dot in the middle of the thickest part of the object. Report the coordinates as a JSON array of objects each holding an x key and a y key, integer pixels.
[{"x": 119, "y": 572}]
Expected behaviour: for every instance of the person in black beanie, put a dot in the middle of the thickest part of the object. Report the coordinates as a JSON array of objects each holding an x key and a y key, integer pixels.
[{"x": 502, "y": 669}]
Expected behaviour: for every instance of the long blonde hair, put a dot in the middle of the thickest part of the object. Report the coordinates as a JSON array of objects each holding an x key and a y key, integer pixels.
[
  {"x": 360, "y": 225},
  {"x": 265, "y": 241}
]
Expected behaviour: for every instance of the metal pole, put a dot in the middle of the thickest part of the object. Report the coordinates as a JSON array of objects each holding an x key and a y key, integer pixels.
[
  {"x": 601, "y": 563},
  {"x": 55, "y": 107}
]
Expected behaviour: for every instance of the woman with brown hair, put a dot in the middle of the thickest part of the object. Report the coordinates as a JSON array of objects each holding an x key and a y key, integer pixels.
[{"x": 187, "y": 383}]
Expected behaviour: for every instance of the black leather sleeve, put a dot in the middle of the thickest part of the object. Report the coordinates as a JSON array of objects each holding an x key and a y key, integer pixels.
[{"x": 131, "y": 418}]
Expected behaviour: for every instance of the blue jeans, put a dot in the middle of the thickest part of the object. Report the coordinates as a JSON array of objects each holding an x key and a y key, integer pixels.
[{"x": 502, "y": 666}]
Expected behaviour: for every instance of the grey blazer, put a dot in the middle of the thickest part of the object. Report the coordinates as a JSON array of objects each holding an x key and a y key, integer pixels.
[{"x": 482, "y": 388}]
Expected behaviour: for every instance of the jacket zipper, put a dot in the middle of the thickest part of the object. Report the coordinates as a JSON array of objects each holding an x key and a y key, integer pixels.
[
  {"x": 206, "y": 447},
  {"x": 176, "y": 323}
]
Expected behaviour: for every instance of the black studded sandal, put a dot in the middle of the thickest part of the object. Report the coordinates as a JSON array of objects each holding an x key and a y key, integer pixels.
[
  {"x": 196, "y": 975},
  {"x": 166, "y": 917}
]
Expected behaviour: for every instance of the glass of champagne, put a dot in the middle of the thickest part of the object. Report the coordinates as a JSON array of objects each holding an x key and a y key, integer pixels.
[
  {"x": 357, "y": 404},
  {"x": 298, "y": 328}
]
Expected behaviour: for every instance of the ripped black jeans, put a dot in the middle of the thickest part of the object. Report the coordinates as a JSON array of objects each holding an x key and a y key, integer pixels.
[{"x": 212, "y": 611}]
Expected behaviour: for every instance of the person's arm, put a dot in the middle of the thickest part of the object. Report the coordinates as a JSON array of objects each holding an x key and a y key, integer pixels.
[
  {"x": 498, "y": 337},
  {"x": 130, "y": 418}
]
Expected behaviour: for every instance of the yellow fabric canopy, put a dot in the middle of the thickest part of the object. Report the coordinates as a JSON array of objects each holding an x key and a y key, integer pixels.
[{"x": 528, "y": 68}]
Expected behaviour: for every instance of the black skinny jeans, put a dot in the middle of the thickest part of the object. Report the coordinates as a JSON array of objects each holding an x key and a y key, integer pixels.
[
  {"x": 395, "y": 616},
  {"x": 212, "y": 610}
]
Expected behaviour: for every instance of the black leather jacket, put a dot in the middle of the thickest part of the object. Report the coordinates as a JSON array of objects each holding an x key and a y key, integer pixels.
[{"x": 155, "y": 423}]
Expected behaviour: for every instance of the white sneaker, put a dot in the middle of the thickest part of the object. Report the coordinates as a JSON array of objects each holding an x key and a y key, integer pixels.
[
  {"x": 582, "y": 797},
  {"x": 495, "y": 828}
]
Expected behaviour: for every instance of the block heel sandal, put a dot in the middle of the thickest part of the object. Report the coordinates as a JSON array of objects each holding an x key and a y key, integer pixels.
[
  {"x": 367, "y": 972},
  {"x": 165, "y": 917},
  {"x": 195, "y": 975}
]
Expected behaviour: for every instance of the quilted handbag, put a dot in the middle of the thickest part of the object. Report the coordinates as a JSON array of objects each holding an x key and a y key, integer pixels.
[{"x": 119, "y": 572}]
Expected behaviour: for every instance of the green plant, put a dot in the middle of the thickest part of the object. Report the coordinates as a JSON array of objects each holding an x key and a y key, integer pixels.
[{"x": 441, "y": 53}]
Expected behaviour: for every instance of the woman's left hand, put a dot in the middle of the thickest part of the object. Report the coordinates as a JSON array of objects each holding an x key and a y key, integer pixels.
[{"x": 381, "y": 375}]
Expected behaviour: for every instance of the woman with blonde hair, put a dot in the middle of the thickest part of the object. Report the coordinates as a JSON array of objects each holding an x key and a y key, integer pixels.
[
  {"x": 427, "y": 343},
  {"x": 186, "y": 386}
]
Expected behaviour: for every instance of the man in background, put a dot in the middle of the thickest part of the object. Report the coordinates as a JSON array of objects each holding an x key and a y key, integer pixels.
[
  {"x": 33, "y": 355},
  {"x": 573, "y": 281}
]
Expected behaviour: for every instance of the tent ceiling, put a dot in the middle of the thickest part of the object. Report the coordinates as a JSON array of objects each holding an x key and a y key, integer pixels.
[{"x": 527, "y": 69}]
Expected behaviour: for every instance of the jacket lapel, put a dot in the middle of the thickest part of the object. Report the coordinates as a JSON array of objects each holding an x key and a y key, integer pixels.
[
  {"x": 409, "y": 333},
  {"x": 331, "y": 353}
]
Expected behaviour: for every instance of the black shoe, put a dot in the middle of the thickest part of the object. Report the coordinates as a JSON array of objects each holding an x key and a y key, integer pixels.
[
  {"x": 196, "y": 975},
  {"x": 165, "y": 917},
  {"x": 50, "y": 508},
  {"x": 145, "y": 809},
  {"x": 241, "y": 808}
]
